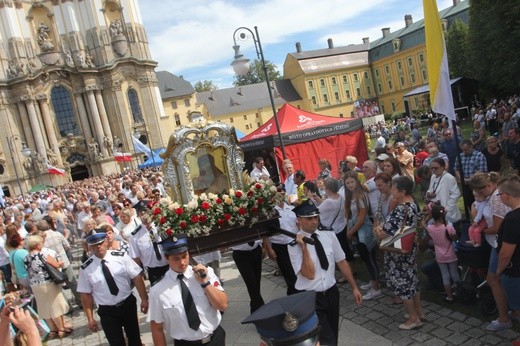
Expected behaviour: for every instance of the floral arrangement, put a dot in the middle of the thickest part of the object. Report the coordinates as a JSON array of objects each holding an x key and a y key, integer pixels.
[{"x": 207, "y": 212}]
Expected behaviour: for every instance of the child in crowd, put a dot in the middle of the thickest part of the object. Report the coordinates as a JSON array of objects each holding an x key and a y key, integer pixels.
[
  {"x": 442, "y": 235},
  {"x": 479, "y": 222}
]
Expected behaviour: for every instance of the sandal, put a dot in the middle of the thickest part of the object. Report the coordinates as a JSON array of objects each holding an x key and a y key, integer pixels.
[
  {"x": 64, "y": 333},
  {"x": 68, "y": 327},
  {"x": 53, "y": 334}
]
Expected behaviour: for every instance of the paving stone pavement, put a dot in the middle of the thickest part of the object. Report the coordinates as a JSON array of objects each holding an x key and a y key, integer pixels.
[{"x": 375, "y": 322}]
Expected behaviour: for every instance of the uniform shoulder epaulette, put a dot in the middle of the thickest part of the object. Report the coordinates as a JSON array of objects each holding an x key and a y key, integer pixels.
[
  {"x": 159, "y": 279},
  {"x": 324, "y": 228},
  {"x": 134, "y": 232},
  {"x": 86, "y": 263},
  {"x": 117, "y": 253}
]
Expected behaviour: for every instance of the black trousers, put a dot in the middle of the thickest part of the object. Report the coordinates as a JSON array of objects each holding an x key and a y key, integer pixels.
[
  {"x": 217, "y": 339},
  {"x": 249, "y": 264},
  {"x": 115, "y": 318},
  {"x": 345, "y": 245},
  {"x": 370, "y": 259},
  {"x": 327, "y": 310},
  {"x": 156, "y": 273},
  {"x": 284, "y": 264}
]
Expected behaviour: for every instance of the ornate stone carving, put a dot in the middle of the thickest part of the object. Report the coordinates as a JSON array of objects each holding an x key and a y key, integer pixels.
[
  {"x": 15, "y": 69},
  {"x": 94, "y": 153},
  {"x": 8, "y": 3},
  {"x": 69, "y": 61},
  {"x": 52, "y": 158},
  {"x": 72, "y": 144},
  {"x": 43, "y": 38},
  {"x": 85, "y": 60},
  {"x": 116, "y": 28},
  {"x": 109, "y": 145}
]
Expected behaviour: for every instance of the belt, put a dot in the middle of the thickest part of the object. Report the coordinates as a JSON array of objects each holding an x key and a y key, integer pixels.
[
  {"x": 323, "y": 293},
  {"x": 121, "y": 303},
  {"x": 204, "y": 341}
]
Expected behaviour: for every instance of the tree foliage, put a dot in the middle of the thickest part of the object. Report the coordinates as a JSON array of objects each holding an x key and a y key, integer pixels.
[
  {"x": 206, "y": 85},
  {"x": 256, "y": 73},
  {"x": 493, "y": 43},
  {"x": 457, "y": 48}
]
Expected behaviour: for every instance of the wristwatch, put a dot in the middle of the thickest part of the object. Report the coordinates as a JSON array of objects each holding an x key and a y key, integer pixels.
[{"x": 204, "y": 285}]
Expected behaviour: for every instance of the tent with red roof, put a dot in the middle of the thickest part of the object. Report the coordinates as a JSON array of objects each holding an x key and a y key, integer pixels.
[{"x": 307, "y": 138}]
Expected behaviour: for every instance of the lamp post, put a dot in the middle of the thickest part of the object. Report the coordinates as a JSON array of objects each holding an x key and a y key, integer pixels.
[
  {"x": 10, "y": 145},
  {"x": 241, "y": 67},
  {"x": 35, "y": 157}
]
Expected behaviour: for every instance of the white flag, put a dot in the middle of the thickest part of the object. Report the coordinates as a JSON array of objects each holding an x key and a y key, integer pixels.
[{"x": 140, "y": 147}]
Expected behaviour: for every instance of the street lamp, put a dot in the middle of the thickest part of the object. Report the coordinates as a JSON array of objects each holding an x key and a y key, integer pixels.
[
  {"x": 241, "y": 67},
  {"x": 35, "y": 157},
  {"x": 10, "y": 144}
]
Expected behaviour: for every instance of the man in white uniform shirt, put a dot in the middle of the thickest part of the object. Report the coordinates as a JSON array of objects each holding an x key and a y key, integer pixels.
[
  {"x": 259, "y": 172},
  {"x": 187, "y": 301},
  {"x": 315, "y": 270}
]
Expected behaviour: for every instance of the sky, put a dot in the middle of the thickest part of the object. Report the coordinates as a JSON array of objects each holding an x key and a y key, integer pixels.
[{"x": 194, "y": 38}]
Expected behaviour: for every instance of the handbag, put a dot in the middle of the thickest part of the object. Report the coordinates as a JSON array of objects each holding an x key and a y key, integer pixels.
[
  {"x": 56, "y": 275},
  {"x": 402, "y": 241}
]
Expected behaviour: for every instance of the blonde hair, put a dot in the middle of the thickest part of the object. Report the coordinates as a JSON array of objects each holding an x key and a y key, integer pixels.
[
  {"x": 480, "y": 179},
  {"x": 33, "y": 241}
]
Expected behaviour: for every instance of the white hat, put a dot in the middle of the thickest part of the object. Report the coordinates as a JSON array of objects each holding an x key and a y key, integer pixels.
[{"x": 382, "y": 157}]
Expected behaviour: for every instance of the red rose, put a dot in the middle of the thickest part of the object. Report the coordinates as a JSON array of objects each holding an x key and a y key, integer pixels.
[
  {"x": 194, "y": 218},
  {"x": 218, "y": 201},
  {"x": 238, "y": 194},
  {"x": 258, "y": 186},
  {"x": 221, "y": 222},
  {"x": 169, "y": 232},
  {"x": 249, "y": 193},
  {"x": 227, "y": 216},
  {"x": 242, "y": 211},
  {"x": 179, "y": 211},
  {"x": 203, "y": 218},
  {"x": 254, "y": 210},
  {"x": 260, "y": 200},
  {"x": 162, "y": 220},
  {"x": 205, "y": 205},
  {"x": 183, "y": 224},
  {"x": 157, "y": 211}
]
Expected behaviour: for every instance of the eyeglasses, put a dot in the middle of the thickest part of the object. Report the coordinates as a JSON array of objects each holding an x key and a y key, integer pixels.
[
  {"x": 501, "y": 193},
  {"x": 434, "y": 168},
  {"x": 447, "y": 134}
]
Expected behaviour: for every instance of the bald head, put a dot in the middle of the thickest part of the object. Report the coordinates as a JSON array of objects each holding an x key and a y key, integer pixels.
[{"x": 369, "y": 169}]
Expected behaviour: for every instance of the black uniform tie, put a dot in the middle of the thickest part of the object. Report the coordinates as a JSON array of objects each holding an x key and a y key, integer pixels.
[
  {"x": 155, "y": 246},
  {"x": 324, "y": 263},
  {"x": 112, "y": 286},
  {"x": 189, "y": 305}
]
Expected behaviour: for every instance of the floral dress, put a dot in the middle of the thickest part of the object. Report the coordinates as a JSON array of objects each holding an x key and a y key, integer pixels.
[
  {"x": 401, "y": 269},
  {"x": 36, "y": 269}
]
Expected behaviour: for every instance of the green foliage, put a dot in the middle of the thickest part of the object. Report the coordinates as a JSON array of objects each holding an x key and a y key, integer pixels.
[
  {"x": 256, "y": 73},
  {"x": 206, "y": 85},
  {"x": 457, "y": 48},
  {"x": 493, "y": 43}
]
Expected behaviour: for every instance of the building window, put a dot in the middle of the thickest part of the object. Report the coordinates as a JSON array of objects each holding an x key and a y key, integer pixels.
[
  {"x": 410, "y": 61},
  {"x": 333, "y": 80},
  {"x": 258, "y": 124},
  {"x": 311, "y": 84},
  {"x": 379, "y": 88},
  {"x": 341, "y": 115},
  {"x": 245, "y": 117},
  {"x": 177, "y": 120},
  {"x": 187, "y": 102},
  {"x": 345, "y": 78},
  {"x": 365, "y": 74},
  {"x": 313, "y": 100},
  {"x": 347, "y": 93},
  {"x": 416, "y": 102},
  {"x": 382, "y": 109},
  {"x": 369, "y": 90},
  {"x": 355, "y": 77},
  {"x": 134, "y": 106},
  {"x": 390, "y": 85},
  {"x": 424, "y": 76},
  {"x": 65, "y": 114},
  {"x": 174, "y": 104},
  {"x": 336, "y": 96},
  {"x": 412, "y": 77},
  {"x": 358, "y": 92},
  {"x": 325, "y": 98},
  {"x": 387, "y": 69},
  {"x": 322, "y": 82},
  {"x": 393, "y": 106},
  {"x": 247, "y": 127},
  {"x": 399, "y": 67},
  {"x": 402, "y": 80},
  {"x": 231, "y": 120},
  {"x": 421, "y": 57},
  {"x": 377, "y": 73}
]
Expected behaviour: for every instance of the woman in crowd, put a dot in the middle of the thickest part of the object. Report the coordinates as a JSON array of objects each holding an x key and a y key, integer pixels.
[
  {"x": 99, "y": 215},
  {"x": 444, "y": 188},
  {"x": 113, "y": 242},
  {"x": 401, "y": 270},
  {"x": 49, "y": 297},
  {"x": 325, "y": 168},
  {"x": 88, "y": 226},
  {"x": 495, "y": 156},
  {"x": 127, "y": 205},
  {"x": 17, "y": 256},
  {"x": 386, "y": 202},
  {"x": 478, "y": 136},
  {"x": 359, "y": 230},
  {"x": 392, "y": 167},
  {"x": 128, "y": 223},
  {"x": 116, "y": 208},
  {"x": 494, "y": 212}
]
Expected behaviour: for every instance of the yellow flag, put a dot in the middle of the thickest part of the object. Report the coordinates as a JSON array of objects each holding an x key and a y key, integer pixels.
[{"x": 437, "y": 57}]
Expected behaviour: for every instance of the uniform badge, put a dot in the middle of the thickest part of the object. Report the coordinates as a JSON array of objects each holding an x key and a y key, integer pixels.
[
  {"x": 290, "y": 323},
  {"x": 174, "y": 239}
]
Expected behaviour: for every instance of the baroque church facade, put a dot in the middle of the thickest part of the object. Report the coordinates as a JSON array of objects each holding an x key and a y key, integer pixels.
[{"x": 76, "y": 82}]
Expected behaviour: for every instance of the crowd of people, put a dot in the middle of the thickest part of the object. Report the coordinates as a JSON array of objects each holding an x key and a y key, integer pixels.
[{"x": 335, "y": 217}]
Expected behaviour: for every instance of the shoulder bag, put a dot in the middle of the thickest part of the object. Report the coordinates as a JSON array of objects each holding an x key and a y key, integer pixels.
[
  {"x": 56, "y": 275},
  {"x": 403, "y": 240}
]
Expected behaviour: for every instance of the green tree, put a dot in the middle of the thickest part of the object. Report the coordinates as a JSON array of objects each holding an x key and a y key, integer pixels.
[
  {"x": 493, "y": 43},
  {"x": 206, "y": 85},
  {"x": 457, "y": 47},
  {"x": 256, "y": 73}
]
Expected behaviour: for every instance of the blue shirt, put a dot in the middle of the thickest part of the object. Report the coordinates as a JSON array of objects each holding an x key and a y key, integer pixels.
[
  {"x": 17, "y": 257},
  {"x": 473, "y": 163}
]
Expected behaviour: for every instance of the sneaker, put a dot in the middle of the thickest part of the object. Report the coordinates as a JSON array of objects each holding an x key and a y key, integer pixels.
[
  {"x": 366, "y": 286},
  {"x": 372, "y": 294},
  {"x": 495, "y": 325}
]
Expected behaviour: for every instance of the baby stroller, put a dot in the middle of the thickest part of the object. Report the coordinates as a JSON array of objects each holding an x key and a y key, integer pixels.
[{"x": 473, "y": 262}]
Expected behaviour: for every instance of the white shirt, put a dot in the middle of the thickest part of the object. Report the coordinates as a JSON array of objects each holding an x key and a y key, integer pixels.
[
  {"x": 373, "y": 194},
  {"x": 448, "y": 193},
  {"x": 287, "y": 222},
  {"x": 380, "y": 142},
  {"x": 125, "y": 230},
  {"x": 4, "y": 255},
  {"x": 91, "y": 278},
  {"x": 323, "y": 279},
  {"x": 141, "y": 247},
  {"x": 332, "y": 213},
  {"x": 257, "y": 173},
  {"x": 165, "y": 305},
  {"x": 246, "y": 246}
]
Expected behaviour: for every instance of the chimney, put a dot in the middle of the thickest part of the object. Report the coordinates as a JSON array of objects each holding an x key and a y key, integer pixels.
[
  {"x": 408, "y": 20},
  {"x": 239, "y": 91},
  {"x": 298, "y": 47},
  {"x": 212, "y": 96},
  {"x": 329, "y": 42},
  {"x": 386, "y": 32},
  {"x": 456, "y": 2},
  {"x": 366, "y": 40}
]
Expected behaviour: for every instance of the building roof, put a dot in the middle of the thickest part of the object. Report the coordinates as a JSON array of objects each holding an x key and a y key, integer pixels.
[
  {"x": 247, "y": 97},
  {"x": 320, "y": 53},
  {"x": 171, "y": 85}
]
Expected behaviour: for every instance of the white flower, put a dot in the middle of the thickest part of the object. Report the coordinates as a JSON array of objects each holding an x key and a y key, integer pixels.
[
  {"x": 231, "y": 193},
  {"x": 203, "y": 197},
  {"x": 192, "y": 205},
  {"x": 212, "y": 196},
  {"x": 273, "y": 188},
  {"x": 176, "y": 205}
]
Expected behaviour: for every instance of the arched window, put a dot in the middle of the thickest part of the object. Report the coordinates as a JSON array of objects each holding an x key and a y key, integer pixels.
[
  {"x": 134, "y": 106},
  {"x": 64, "y": 111}
]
